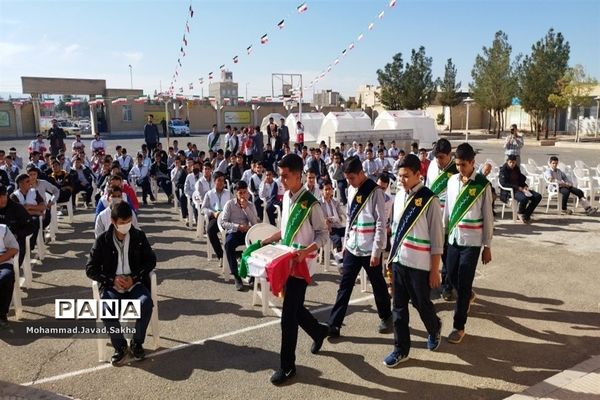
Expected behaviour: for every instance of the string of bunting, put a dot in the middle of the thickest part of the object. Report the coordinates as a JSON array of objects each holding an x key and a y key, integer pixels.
[
  {"x": 346, "y": 51},
  {"x": 264, "y": 39}
]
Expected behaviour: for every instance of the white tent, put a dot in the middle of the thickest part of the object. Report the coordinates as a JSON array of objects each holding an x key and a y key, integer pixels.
[
  {"x": 312, "y": 125},
  {"x": 265, "y": 121},
  {"x": 353, "y": 121},
  {"x": 423, "y": 126}
]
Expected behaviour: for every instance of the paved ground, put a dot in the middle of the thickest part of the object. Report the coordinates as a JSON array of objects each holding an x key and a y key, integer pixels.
[{"x": 536, "y": 315}]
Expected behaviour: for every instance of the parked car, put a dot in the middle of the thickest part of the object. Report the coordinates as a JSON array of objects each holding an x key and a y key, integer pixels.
[
  {"x": 84, "y": 125},
  {"x": 69, "y": 127},
  {"x": 178, "y": 128}
]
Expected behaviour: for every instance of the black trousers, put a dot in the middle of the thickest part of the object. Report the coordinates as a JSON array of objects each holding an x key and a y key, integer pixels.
[
  {"x": 294, "y": 315},
  {"x": 461, "y": 262},
  {"x": 351, "y": 268},
  {"x": 88, "y": 189},
  {"x": 183, "y": 204},
  {"x": 337, "y": 235},
  {"x": 411, "y": 284},
  {"x": 271, "y": 214},
  {"x": 233, "y": 240},
  {"x": 566, "y": 191},
  {"x": 213, "y": 236},
  {"x": 342, "y": 185},
  {"x": 144, "y": 183},
  {"x": 258, "y": 203},
  {"x": 528, "y": 204},
  {"x": 7, "y": 285}
]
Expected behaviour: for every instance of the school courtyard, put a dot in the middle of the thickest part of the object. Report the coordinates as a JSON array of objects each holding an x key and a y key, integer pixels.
[{"x": 536, "y": 315}]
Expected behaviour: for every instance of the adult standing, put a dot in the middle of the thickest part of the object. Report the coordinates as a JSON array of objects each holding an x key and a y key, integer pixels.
[
  {"x": 284, "y": 133},
  {"x": 56, "y": 136},
  {"x": 257, "y": 144},
  {"x": 163, "y": 124},
  {"x": 151, "y": 134},
  {"x": 514, "y": 143},
  {"x": 213, "y": 139}
]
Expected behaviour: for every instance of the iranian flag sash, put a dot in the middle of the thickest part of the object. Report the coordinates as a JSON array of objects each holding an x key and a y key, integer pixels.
[
  {"x": 417, "y": 205},
  {"x": 466, "y": 198},
  {"x": 441, "y": 182}
]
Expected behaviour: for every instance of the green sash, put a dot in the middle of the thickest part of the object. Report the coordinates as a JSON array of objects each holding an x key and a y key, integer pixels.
[
  {"x": 243, "y": 267},
  {"x": 417, "y": 205},
  {"x": 214, "y": 141},
  {"x": 441, "y": 182},
  {"x": 466, "y": 198},
  {"x": 298, "y": 214}
]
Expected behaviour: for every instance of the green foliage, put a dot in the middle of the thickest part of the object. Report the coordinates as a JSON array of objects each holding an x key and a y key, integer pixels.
[
  {"x": 449, "y": 90},
  {"x": 440, "y": 119},
  {"x": 494, "y": 78},
  {"x": 540, "y": 74},
  {"x": 408, "y": 86}
]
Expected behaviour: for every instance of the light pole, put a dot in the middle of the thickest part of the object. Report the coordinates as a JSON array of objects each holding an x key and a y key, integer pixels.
[
  {"x": 597, "y": 98},
  {"x": 468, "y": 102},
  {"x": 131, "y": 75},
  {"x": 247, "y": 83}
]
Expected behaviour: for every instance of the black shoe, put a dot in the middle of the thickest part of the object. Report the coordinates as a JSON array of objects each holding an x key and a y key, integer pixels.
[
  {"x": 447, "y": 294},
  {"x": 138, "y": 351},
  {"x": 145, "y": 202},
  {"x": 334, "y": 332},
  {"x": 280, "y": 376},
  {"x": 239, "y": 285},
  {"x": 118, "y": 356},
  {"x": 251, "y": 281},
  {"x": 318, "y": 342},
  {"x": 386, "y": 325},
  {"x": 3, "y": 323}
]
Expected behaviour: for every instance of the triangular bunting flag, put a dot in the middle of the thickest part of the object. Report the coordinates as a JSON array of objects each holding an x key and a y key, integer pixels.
[{"x": 264, "y": 39}]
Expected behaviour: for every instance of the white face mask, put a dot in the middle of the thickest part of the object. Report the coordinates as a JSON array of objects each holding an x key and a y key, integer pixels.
[{"x": 124, "y": 229}]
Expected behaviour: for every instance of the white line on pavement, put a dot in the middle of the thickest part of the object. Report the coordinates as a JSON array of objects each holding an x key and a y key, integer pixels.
[{"x": 179, "y": 347}]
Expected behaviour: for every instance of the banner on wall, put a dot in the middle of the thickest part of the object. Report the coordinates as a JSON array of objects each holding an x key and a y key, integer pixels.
[
  {"x": 4, "y": 119},
  {"x": 237, "y": 117}
]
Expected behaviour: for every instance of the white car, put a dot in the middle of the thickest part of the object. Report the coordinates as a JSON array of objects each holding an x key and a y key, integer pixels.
[{"x": 178, "y": 128}]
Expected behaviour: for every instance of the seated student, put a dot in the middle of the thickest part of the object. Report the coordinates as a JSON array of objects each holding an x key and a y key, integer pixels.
[
  {"x": 554, "y": 174},
  {"x": 221, "y": 162},
  {"x": 424, "y": 162},
  {"x": 486, "y": 170},
  {"x": 175, "y": 174},
  {"x": 393, "y": 151},
  {"x": 160, "y": 172},
  {"x": 62, "y": 181},
  {"x": 33, "y": 202},
  {"x": 82, "y": 180},
  {"x": 12, "y": 170},
  {"x": 128, "y": 194},
  {"x": 239, "y": 215},
  {"x": 370, "y": 166},
  {"x": 396, "y": 166},
  {"x": 270, "y": 157},
  {"x": 271, "y": 192},
  {"x": 8, "y": 249},
  {"x": 254, "y": 187},
  {"x": 311, "y": 184},
  {"x": 115, "y": 196},
  {"x": 120, "y": 262},
  {"x": 317, "y": 165},
  {"x": 336, "y": 172},
  {"x": 18, "y": 220},
  {"x": 335, "y": 216},
  {"x": 212, "y": 206},
  {"x": 125, "y": 161},
  {"x": 510, "y": 176},
  {"x": 43, "y": 187},
  {"x": 188, "y": 190},
  {"x": 36, "y": 161},
  {"x": 139, "y": 175},
  {"x": 203, "y": 185},
  {"x": 236, "y": 169},
  {"x": 384, "y": 164},
  {"x": 247, "y": 175}
]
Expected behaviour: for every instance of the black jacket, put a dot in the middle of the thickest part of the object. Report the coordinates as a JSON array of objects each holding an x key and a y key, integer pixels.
[
  {"x": 18, "y": 220},
  {"x": 508, "y": 180},
  {"x": 151, "y": 134},
  {"x": 103, "y": 258}
]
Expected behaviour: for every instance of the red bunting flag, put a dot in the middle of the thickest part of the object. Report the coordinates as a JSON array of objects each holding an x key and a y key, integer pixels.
[
  {"x": 222, "y": 67},
  {"x": 235, "y": 59},
  {"x": 281, "y": 24},
  {"x": 344, "y": 52},
  {"x": 302, "y": 8},
  {"x": 264, "y": 39},
  {"x": 249, "y": 49},
  {"x": 210, "y": 75}
]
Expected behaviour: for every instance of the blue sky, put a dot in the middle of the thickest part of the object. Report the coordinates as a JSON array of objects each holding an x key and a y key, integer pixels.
[{"x": 99, "y": 39}]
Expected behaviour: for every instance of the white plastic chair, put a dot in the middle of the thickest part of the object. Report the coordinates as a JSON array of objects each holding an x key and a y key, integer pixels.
[
  {"x": 69, "y": 206},
  {"x": 552, "y": 190},
  {"x": 534, "y": 164},
  {"x": 191, "y": 208},
  {"x": 175, "y": 202},
  {"x": 278, "y": 210},
  {"x": 154, "y": 326},
  {"x": 511, "y": 202},
  {"x": 154, "y": 187},
  {"x": 27, "y": 278},
  {"x": 584, "y": 182},
  {"x": 255, "y": 233},
  {"x": 40, "y": 244},
  {"x": 17, "y": 294},
  {"x": 325, "y": 255}
]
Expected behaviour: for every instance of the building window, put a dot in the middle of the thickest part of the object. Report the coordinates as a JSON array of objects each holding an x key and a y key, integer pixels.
[
  {"x": 4, "y": 119},
  {"x": 127, "y": 116}
]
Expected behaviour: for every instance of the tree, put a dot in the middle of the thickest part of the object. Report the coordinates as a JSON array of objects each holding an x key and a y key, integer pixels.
[
  {"x": 575, "y": 88},
  {"x": 410, "y": 87},
  {"x": 494, "y": 79},
  {"x": 449, "y": 89},
  {"x": 390, "y": 80},
  {"x": 539, "y": 76}
]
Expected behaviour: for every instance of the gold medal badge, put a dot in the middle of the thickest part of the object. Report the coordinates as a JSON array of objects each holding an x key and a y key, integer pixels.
[
  {"x": 472, "y": 192},
  {"x": 419, "y": 202},
  {"x": 359, "y": 199},
  {"x": 449, "y": 174},
  {"x": 304, "y": 204}
]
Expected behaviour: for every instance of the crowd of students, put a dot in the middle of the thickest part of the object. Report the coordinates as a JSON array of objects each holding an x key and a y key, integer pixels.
[{"x": 434, "y": 229}]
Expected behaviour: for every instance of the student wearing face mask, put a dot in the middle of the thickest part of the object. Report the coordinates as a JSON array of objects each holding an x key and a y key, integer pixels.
[
  {"x": 120, "y": 261},
  {"x": 115, "y": 196}
]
